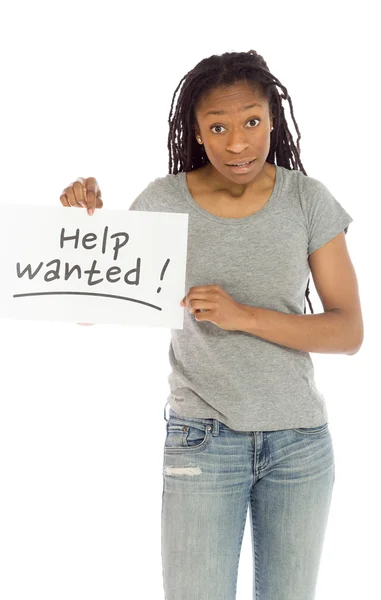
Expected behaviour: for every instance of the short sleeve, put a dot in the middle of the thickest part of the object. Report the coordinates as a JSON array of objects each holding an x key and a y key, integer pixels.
[
  {"x": 325, "y": 216},
  {"x": 155, "y": 195}
]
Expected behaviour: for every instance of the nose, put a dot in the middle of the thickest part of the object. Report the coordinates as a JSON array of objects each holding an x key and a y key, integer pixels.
[{"x": 237, "y": 142}]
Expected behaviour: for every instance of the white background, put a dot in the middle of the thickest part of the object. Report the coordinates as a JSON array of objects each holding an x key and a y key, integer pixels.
[{"x": 86, "y": 91}]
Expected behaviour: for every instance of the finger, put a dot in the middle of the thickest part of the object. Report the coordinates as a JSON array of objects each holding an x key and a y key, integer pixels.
[
  {"x": 91, "y": 189},
  {"x": 71, "y": 196},
  {"x": 81, "y": 193},
  {"x": 99, "y": 203},
  {"x": 79, "y": 189},
  {"x": 64, "y": 200}
]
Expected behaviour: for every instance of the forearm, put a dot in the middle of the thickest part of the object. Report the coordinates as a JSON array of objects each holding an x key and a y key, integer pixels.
[{"x": 329, "y": 332}]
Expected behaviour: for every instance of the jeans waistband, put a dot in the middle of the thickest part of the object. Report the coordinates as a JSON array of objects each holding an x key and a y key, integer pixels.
[{"x": 215, "y": 423}]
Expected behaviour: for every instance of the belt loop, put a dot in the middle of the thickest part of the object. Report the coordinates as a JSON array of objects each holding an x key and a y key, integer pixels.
[{"x": 216, "y": 427}]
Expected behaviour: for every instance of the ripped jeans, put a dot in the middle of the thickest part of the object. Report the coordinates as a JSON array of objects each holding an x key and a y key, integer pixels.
[{"x": 211, "y": 475}]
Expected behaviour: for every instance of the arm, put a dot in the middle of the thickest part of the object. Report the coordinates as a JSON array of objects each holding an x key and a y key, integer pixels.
[
  {"x": 329, "y": 332},
  {"x": 340, "y": 329}
]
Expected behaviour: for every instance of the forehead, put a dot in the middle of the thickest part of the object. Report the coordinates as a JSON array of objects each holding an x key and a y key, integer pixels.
[{"x": 235, "y": 98}]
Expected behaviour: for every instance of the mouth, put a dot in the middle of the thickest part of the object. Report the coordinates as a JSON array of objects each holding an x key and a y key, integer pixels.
[{"x": 241, "y": 167}]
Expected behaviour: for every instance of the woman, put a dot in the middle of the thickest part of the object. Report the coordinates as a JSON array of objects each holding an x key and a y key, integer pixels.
[{"x": 247, "y": 426}]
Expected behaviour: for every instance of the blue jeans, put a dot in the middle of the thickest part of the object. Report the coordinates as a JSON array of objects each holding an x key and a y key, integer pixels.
[{"x": 211, "y": 474}]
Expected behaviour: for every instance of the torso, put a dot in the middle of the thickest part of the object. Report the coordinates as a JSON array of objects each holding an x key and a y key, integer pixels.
[{"x": 221, "y": 204}]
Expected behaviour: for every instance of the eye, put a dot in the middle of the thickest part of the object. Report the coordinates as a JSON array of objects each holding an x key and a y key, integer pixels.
[{"x": 224, "y": 128}]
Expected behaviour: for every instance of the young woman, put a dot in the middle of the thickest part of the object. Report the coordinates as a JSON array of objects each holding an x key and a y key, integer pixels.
[{"x": 247, "y": 426}]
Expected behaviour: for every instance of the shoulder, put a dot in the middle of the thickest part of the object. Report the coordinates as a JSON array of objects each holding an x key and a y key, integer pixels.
[
  {"x": 310, "y": 187},
  {"x": 153, "y": 197},
  {"x": 314, "y": 195}
]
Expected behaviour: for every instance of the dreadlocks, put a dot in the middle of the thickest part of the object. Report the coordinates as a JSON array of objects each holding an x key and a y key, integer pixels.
[{"x": 185, "y": 154}]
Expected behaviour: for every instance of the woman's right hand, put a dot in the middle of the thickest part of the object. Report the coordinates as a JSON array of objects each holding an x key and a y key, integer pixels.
[{"x": 83, "y": 193}]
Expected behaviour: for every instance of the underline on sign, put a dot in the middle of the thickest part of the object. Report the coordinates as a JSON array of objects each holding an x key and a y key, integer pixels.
[{"x": 88, "y": 294}]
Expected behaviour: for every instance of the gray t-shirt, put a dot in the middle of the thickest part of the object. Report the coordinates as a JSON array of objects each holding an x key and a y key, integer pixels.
[{"x": 244, "y": 381}]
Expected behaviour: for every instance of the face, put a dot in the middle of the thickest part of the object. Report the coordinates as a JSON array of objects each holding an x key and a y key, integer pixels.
[{"x": 236, "y": 134}]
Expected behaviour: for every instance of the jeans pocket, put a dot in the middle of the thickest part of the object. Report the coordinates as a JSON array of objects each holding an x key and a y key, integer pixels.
[
  {"x": 312, "y": 430},
  {"x": 185, "y": 435}
]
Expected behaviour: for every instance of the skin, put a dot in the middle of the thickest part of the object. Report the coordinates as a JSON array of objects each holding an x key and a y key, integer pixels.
[
  {"x": 83, "y": 193},
  {"x": 232, "y": 137}
]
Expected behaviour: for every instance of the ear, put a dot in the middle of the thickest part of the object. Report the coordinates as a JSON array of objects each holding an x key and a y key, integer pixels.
[{"x": 196, "y": 131}]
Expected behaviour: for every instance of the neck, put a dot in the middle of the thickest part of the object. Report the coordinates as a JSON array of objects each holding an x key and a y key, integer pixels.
[{"x": 219, "y": 183}]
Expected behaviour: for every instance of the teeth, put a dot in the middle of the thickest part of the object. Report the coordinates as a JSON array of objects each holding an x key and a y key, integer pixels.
[{"x": 240, "y": 164}]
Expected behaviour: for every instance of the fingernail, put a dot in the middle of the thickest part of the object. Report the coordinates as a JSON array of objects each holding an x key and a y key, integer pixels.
[{"x": 90, "y": 211}]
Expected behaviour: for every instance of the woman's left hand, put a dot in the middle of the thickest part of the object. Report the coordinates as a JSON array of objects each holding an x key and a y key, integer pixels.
[{"x": 220, "y": 308}]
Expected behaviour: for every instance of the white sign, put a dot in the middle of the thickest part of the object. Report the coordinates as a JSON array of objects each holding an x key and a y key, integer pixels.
[{"x": 116, "y": 266}]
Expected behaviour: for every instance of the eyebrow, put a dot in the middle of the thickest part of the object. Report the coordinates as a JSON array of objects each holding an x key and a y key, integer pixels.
[{"x": 222, "y": 112}]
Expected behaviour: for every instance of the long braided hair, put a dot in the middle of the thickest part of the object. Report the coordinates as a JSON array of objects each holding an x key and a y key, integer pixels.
[{"x": 185, "y": 154}]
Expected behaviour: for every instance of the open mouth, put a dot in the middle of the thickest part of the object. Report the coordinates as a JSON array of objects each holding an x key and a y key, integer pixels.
[{"x": 242, "y": 167}]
